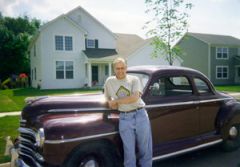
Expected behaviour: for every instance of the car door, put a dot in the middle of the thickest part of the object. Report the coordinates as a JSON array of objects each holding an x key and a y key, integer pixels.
[
  {"x": 209, "y": 105},
  {"x": 173, "y": 112}
]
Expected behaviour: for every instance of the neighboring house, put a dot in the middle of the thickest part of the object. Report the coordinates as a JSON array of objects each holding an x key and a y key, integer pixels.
[
  {"x": 217, "y": 56},
  {"x": 75, "y": 50}
]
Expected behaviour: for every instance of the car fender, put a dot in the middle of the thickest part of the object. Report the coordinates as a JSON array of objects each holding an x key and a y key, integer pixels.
[{"x": 229, "y": 114}]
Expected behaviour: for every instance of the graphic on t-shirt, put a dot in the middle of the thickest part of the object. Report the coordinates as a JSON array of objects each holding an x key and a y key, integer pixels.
[{"x": 122, "y": 92}]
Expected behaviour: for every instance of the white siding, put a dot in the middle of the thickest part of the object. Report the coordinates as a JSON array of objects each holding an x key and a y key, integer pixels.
[
  {"x": 50, "y": 55},
  {"x": 35, "y": 63},
  {"x": 95, "y": 29},
  {"x": 142, "y": 56}
]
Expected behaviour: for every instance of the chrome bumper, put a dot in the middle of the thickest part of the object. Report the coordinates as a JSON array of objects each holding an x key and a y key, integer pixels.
[{"x": 21, "y": 163}]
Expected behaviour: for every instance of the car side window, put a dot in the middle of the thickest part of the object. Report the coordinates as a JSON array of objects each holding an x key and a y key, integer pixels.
[
  {"x": 202, "y": 86},
  {"x": 171, "y": 86}
]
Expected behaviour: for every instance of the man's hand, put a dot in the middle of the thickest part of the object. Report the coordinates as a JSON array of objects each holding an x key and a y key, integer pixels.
[{"x": 113, "y": 104}]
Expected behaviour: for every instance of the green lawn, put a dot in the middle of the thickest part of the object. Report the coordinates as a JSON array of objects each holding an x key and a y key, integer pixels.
[
  {"x": 13, "y": 99},
  {"x": 8, "y": 127},
  {"x": 234, "y": 88}
]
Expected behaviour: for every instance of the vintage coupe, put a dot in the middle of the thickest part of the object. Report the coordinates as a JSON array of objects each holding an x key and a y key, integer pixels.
[{"x": 185, "y": 110}]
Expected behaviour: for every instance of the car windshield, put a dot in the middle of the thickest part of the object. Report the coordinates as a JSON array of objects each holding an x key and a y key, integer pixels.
[{"x": 142, "y": 77}]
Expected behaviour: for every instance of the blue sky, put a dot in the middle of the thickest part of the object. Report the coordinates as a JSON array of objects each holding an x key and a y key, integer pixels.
[{"x": 128, "y": 16}]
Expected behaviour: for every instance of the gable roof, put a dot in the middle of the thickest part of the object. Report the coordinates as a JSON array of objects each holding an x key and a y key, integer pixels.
[
  {"x": 127, "y": 43},
  {"x": 83, "y": 10},
  {"x": 66, "y": 18},
  {"x": 216, "y": 39}
]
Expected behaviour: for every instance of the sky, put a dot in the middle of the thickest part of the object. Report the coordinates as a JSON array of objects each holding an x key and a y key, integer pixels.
[{"x": 128, "y": 16}]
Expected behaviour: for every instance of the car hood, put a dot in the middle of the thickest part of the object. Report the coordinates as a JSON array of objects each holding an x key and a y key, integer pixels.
[{"x": 61, "y": 104}]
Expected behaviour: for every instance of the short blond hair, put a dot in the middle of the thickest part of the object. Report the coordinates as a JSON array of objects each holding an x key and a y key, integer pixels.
[{"x": 118, "y": 60}]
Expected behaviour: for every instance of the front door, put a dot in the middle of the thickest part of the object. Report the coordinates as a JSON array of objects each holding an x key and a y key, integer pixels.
[
  {"x": 173, "y": 113},
  {"x": 237, "y": 74},
  {"x": 94, "y": 75}
]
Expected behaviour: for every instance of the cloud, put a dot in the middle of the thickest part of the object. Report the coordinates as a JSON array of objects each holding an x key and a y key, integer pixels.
[{"x": 6, "y": 6}]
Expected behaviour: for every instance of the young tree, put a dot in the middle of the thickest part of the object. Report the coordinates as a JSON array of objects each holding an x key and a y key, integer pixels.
[{"x": 168, "y": 24}]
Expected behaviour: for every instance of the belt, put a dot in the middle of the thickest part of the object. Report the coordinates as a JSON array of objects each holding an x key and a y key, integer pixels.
[{"x": 131, "y": 111}]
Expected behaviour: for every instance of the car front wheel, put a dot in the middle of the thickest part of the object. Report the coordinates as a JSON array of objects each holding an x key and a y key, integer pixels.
[{"x": 94, "y": 155}]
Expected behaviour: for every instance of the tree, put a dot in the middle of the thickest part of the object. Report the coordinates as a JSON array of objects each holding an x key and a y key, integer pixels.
[
  {"x": 168, "y": 24},
  {"x": 15, "y": 35}
]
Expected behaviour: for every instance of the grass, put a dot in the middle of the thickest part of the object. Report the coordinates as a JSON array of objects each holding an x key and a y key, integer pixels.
[
  {"x": 13, "y": 99},
  {"x": 233, "y": 88},
  {"x": 8, "y": 127}
]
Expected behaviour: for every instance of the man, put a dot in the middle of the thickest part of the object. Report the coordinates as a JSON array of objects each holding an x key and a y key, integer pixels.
[{"x": 123, "y": 92}]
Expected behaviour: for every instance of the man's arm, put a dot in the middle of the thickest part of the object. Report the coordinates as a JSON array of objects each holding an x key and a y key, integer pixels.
[{"x": 126, "y": 100}]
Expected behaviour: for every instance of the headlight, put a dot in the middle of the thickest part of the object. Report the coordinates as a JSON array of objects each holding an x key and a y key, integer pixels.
[{"x": 40, "y": 137}]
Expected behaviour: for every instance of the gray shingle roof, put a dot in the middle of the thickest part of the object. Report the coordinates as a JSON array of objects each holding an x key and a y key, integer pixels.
[{"x": 216, "y": 39}]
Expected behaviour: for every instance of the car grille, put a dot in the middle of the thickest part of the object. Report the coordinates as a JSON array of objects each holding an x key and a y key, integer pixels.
[
  {"x": 23, "y": 122},
  {"x": 28, "y": 149}
]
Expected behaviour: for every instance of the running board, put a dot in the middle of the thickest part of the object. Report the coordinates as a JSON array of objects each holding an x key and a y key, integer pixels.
[{"x": 187, "y": 150}]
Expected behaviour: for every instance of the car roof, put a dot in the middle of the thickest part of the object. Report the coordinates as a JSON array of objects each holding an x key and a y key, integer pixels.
[{"x": 150, "y": 69}]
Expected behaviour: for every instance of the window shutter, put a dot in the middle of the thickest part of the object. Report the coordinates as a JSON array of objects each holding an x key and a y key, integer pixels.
[
  {"x": 96, "y": 43},
  {"x": 85, "y": 43}
]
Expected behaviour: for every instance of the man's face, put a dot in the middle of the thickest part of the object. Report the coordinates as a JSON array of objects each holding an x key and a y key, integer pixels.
[{"x": 120, "y": 70}]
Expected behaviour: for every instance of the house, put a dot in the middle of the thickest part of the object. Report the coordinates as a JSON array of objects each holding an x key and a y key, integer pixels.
[
  {"x": 217, "y": 56},
  {"x": 76, "y": 50}
]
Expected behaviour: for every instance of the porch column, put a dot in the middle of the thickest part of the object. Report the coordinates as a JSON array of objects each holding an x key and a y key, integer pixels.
[
  {"x": 109, "y": 69},
  {"x": 89, "y": 74}
]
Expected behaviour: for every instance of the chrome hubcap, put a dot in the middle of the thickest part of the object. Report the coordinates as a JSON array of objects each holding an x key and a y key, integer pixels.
[
  {"x": 233, "y": 132},
  {"x": 90, "y": 163}
]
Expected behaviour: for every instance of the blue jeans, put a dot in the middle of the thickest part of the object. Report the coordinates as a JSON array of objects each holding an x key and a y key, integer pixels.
[{"x": 135, "y": 130}]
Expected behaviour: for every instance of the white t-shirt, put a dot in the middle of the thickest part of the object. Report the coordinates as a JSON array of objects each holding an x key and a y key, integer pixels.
[{"x": 116, "y": 89}]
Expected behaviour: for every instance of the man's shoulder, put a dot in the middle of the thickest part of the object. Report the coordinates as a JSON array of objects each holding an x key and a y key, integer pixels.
[
  {"x": 132, "y": 77},
  {"x": 110, "y": 79}
]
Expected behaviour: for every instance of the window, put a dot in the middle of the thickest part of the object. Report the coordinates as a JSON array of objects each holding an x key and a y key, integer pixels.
[
  {"x": 222, "y": 72},
  {"x": 202, "y": 86},
  {"x": 32, "y": 74},
  {"x": 64, "y": 69},
  {"x": 238, "y": 71},
  {"x": 90, "y": 43},
  {"x": 171, "y": 86},
  {"x": 35, "y": 73},
  {"x": 68, "y": 43},
  {"x": 63, "y": 42},
  {"x": 34, "y": 50},
  {"x": 60, "y": 69},
  {"x": 59, "y": 42},
  {"x": 222, "y": 53},
  {"x": 69, "y": 69}
]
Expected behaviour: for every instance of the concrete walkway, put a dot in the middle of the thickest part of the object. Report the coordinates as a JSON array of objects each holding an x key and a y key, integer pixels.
[
  {"x": 10, "y": 113},
  {"x": 5, "y": 164}
]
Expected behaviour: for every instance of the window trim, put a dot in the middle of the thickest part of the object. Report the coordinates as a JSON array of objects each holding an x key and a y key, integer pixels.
[
  {"x": 64, "y": 70},
  {"x": 222, "y": 66},
  {"x": 94, "y": 42},
  {"x": 68, "y": 36},
  {"x": 222, "y": 58},
  {"x": 64, "y": 42},
  {"x": 207, "y": 84}
]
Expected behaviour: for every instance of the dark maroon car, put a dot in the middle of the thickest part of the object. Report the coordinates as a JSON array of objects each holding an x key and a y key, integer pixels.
[{"x": 185, "y": 110}]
